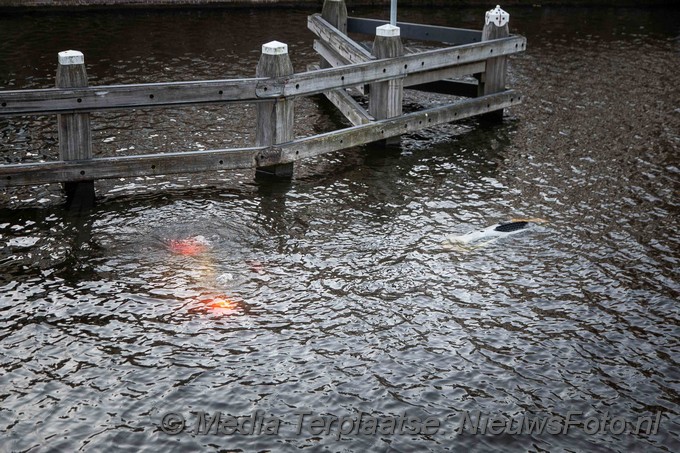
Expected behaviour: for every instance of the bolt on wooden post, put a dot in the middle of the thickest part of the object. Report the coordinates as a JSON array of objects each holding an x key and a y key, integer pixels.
[
  {"x": 274, "y": 118},
  {"x": 75, "y": 141},
  {"x": 385, "y": 98},
  {"x": 496, "y": 25}
]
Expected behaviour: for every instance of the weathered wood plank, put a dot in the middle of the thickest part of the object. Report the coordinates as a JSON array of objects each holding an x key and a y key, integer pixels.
[
  {"x": 128, "y": 166},
  {"x": 75, "y": 138},
  {"x": 417, "y": 31},
  {"x": 60, "y": 100},
  {"x": 349, "y": 107},
  {"x": 275, "y": 118},
  {"x": 231, "y": 159},
  {"x": 492, "y": 80},
  {"x": 335, "y": 13},
  {"x": 444, "y": 73},
  {"x": 75, "y": 141},
  {"x": 386, "y": 98},
  {"x": 105, "y": 97},
  {"x": 391, "y": 127},
  {"x": 339, "y": 42},
  {"x": 314, "y": 82},
  {"x": 332, "y": 59}
]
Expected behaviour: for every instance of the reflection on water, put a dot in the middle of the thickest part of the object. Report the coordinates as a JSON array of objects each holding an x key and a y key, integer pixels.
[{"x": 332, "y": 293}]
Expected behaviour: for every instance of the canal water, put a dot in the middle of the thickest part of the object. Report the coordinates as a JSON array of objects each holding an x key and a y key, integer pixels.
[{"x": 332, "y": 295}]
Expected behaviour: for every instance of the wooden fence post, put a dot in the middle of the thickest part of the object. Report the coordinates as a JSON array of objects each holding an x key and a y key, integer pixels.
[
  {"x": 385, "y": 98},
  {"x": 274, "y": 118},
  {"x": 75, "y": 141},
  {"x": 493, "y": 79},
  {"x": 335, "y": 13}
]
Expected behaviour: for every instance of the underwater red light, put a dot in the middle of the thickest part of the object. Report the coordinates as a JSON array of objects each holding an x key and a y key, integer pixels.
[
  {"x": 187, "y": 247},
  {"x": 220, "y": 303}
]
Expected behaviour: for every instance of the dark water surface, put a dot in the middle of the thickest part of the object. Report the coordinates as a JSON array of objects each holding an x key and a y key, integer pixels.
[{"x": 332, "y": 294}]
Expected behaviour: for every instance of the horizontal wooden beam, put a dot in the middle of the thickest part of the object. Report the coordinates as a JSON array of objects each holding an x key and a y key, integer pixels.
[
  {"x": 106, "y": 97},
  {"x": 391, "y": 127},
  {"x": 230, "y": 159},
  {"x": 417, "y": 31},
  {"x": 350, "y": 108},
  {"x": 128, "y": 166},
  {"x": 333, "y": 58},
  {"x": 313, "y": 82},
  {"x": 444, "y": 73},
  {"x": 338, "y": 41},
  {"x": 70, "y": 100}
]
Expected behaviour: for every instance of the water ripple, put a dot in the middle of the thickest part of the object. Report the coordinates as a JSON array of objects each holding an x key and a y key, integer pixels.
[{"x": 333, "y": 293}]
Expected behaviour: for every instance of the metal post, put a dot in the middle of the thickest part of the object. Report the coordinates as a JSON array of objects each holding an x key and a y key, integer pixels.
[{"x": 393, "y": 13}]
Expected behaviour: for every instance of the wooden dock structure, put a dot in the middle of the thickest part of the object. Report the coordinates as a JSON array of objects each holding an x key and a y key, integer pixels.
[{"x": 347, "y": 70}]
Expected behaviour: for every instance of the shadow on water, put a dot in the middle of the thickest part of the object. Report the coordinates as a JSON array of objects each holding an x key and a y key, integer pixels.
[
  {"x": 271, "y": 209},
  {"x": 72, "y": 229}
]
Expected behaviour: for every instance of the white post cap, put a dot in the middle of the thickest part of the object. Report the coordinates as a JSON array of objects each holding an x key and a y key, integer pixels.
[
  {"x": 387, "y": 30},
  {"x": 275, "y": 48},
  {"x": 497, "y": 16},
  {"x": 71, "y": 57}
]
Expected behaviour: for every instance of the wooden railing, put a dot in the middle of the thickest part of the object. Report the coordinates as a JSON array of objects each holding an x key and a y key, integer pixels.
[{"x": 347, "y": 64}]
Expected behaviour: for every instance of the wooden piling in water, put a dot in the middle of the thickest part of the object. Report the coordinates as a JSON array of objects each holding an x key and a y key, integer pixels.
[
  {"x": 492, "y": 80},
  {"x": 274, "y": 118},
  {"x": 75, "y": 140},
  {"x": 335, "y": 13},
  {"x": 385, "y": 98}
]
